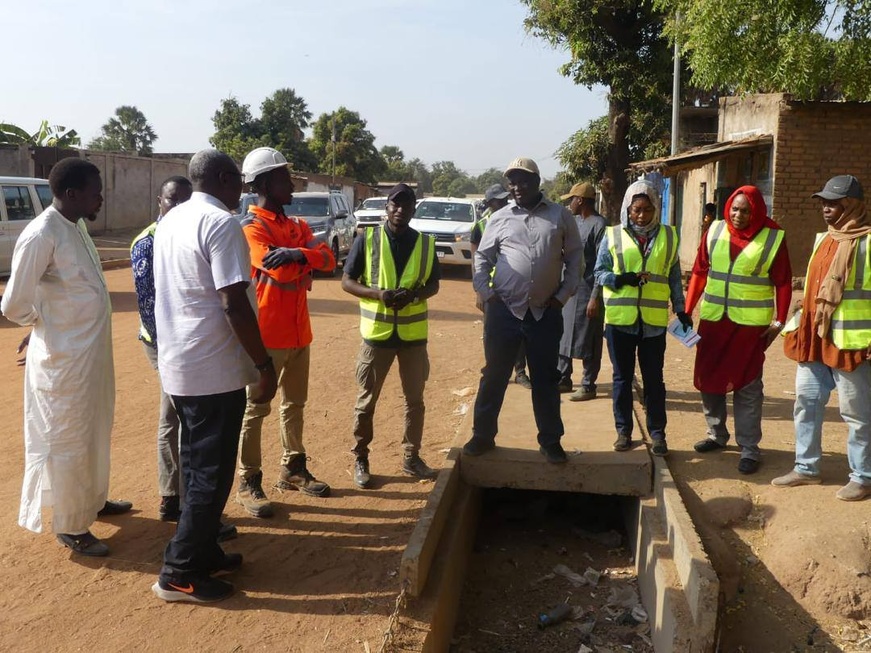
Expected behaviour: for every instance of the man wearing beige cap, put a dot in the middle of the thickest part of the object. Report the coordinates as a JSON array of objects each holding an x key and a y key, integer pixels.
[
  {"x": 583, "y": 318},
  {"x": 535, "y": 248}
]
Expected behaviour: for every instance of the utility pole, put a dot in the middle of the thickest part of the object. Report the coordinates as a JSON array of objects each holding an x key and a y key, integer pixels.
[
  {"x": 334, "y": 151},
  {"x": 675, "y": 90}
]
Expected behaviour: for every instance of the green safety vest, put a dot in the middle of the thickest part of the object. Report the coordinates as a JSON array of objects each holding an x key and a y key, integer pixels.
[
  {"x": 741, "y": 288},
  {"x": 851, "y": 321},
  {"x": 148, "y": 231},
  {"x": 622, "y": 306},
  {"x": 377, "y": 322}
]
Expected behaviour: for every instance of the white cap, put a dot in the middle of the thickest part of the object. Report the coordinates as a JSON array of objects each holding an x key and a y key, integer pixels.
[{"x": 261, "y": 160}]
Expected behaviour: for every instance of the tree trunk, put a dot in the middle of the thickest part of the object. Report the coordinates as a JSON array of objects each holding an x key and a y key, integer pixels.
[{"x": 615, "y": 182}]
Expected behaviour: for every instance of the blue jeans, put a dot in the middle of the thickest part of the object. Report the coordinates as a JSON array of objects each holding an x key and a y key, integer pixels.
[
  {"x": 622, "y": 348},
  {"x": 504, "y": 334},
  {"x": 814, "y": 383},
  {"x": 210, "y": 428}
]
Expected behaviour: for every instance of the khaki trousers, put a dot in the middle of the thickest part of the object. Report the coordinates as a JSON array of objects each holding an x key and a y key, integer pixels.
[
  {"x": 292, "y": 367},
  {"x": 373, "y": 364}
]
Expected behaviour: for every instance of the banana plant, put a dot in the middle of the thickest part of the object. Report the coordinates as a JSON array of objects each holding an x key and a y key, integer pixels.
[{"x": 46, "y": 136}]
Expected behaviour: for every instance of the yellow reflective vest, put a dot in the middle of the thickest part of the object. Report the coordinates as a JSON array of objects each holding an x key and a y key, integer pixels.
[
  {"x": 377, "y": 322},
  {"x": 622, "y": 306},
  {"x": 851, "y": 321},
  {"x": 740, "y": 289}
]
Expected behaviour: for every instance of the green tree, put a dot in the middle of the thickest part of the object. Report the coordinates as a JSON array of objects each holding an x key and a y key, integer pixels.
[
  {"x": 397, "y": 169},
  {"x": 616, "y": 43},
  {"x": 417, "y": 171},
  {"x": 558, "y": 186},
  {"x": 236, "y": 130},
  {"x": 812, "y": 49},
  {"x": 127, "y": 131},
  {"x": 283, "y": 117},
  {"x": 487, "y": 178},
  {"x": 46, "y": 136},
  {"x": 353, "y": 149},
  {"x": 448, "y": 180}
]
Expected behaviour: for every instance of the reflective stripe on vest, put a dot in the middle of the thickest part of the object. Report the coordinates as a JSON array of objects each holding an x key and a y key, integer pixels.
[
  {"x": 851, "y": 321},
  {"x": 377, "y": 322},
  {"x": 622, "y": 306},
  {"x": 740, "y": 289},
  {"x": 145, "y": 233}
]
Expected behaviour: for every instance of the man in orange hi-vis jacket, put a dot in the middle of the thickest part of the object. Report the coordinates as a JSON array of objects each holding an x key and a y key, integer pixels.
[{"x": 283, "y": 254}]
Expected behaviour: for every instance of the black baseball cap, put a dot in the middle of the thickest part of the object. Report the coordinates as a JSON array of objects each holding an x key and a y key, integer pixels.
[
  {"x": 399, "y": 190},
  {"x": 837, "y": 188},
  {"x": 495, "y": 192}
]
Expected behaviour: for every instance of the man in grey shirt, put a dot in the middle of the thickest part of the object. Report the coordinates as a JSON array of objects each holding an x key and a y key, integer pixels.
[{"x": 536, "y": 251}]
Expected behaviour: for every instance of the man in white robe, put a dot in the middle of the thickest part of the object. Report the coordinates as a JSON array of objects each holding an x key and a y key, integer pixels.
[{"x": 57, "y": 287}]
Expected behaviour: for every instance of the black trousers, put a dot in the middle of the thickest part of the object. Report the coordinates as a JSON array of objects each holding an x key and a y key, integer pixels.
[
  {"x": 210, "y": 427},
  {"x": 503, "y": 336}
]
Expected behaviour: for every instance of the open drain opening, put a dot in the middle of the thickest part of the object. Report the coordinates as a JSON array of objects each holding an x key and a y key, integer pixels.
[{"x": 543, "y": 557}]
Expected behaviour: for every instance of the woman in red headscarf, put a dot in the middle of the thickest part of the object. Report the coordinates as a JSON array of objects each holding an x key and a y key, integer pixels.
[{"x": 741, "y": 272}]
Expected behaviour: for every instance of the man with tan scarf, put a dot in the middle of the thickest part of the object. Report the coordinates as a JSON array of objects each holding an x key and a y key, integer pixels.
[{"x": 832, "y": 340}]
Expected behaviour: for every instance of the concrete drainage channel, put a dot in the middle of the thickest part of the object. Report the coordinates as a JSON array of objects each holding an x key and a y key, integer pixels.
[{"x": 555, "y": 517}]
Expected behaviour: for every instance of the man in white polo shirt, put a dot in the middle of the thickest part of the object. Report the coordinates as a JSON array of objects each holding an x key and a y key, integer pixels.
[{"x": 210, "y": 350}]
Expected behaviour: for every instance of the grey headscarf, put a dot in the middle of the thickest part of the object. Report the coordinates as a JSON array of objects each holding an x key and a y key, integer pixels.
[{"x": 641, "y": 187}]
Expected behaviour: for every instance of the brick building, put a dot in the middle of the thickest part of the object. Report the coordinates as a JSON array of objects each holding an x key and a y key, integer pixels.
[{"x": 785, "y": 147}]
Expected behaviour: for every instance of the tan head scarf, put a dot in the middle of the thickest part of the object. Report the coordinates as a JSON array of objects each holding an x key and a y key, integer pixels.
[{"x": 846, "y": 232}]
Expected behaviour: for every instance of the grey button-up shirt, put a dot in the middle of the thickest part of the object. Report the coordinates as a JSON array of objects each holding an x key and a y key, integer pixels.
[{"x": 537, "y": 255}]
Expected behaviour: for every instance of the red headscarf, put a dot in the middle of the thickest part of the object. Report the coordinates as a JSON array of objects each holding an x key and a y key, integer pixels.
[{"x": 758, "y": 215}]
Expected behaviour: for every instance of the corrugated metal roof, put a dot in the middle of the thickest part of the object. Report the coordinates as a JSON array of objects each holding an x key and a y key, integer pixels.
[{"x": 699, "y": 156}]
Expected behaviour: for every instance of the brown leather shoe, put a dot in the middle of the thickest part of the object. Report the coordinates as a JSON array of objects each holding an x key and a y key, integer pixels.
[
  {"x": 794, "y": 479},
  {"x": 295, "y": 476},
  {"x": 854, "y": 491},
  {"x": 252, "y": 497}
]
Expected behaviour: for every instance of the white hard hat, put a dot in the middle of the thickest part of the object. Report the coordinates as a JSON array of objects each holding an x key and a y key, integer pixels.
[{"x": 261, "y": 160}]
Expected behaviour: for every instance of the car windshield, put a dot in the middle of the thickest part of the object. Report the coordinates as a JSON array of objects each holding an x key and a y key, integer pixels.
[
  {"x": 308, "y": 207},
  {"x": 451, "y": 211},
  {"x": 374, "y": 203}
]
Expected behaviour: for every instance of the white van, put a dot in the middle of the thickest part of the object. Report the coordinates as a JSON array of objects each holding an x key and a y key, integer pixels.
[{"x": 24, "y": 198}]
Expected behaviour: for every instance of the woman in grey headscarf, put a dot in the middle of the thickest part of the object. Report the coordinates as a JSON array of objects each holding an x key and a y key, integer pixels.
[{"x": 638, "y": 270}]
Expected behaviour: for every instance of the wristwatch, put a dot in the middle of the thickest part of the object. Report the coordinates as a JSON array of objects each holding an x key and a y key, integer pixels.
[{"x": 777, "y": 324}]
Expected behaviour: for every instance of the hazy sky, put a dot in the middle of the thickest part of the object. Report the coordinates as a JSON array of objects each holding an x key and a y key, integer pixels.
[{"x": 441, "y": 79}]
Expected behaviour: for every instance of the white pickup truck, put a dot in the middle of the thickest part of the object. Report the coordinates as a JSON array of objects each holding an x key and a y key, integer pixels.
[{"x": 450, "y": 221}]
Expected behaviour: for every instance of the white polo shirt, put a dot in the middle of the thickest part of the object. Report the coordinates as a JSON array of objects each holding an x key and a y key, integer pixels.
[{"x": 199, "y": 248}]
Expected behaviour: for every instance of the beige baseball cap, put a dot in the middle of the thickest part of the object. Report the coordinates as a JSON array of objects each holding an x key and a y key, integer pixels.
[
  {"x": 583, "y": 190},
  {"x": 523, "y": 163}
]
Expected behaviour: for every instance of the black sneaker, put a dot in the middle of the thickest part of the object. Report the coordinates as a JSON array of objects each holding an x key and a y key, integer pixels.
[
  {"x": 707, "y": 445},
  {"x": 522, "y": 379},
  {"x": 478, "y": 446},
  {"x": 170, "y": 508},
  {"x": 361, "y": 473},
  {"x": 554, "y": 453},
  {"x": 200, "y": 590},
  {"x": 565, "y": 385},
  {"x": 230, "y": 563},
  {"x": 659, "y": 448},
  {"x": 114, "y": 508},
  {"x": 748, "y": 466},
  {"x": 227, "y": 532},
  {"x": 623, "y": 442},
  {"x": 414, "y": 466}
]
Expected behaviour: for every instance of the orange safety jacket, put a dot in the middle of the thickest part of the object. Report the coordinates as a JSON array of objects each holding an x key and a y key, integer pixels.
[{"x": 282, "y": 306}]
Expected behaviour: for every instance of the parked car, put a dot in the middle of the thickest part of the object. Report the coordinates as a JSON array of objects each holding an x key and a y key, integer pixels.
[
  {"x": 371, "y": 212},
  {"x": 450, "y": 221},
  {"x": 327, "y": 213},
  {"x": 24, "y": 198}
]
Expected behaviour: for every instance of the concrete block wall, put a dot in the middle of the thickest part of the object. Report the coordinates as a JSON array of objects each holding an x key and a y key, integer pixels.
[{"x": 816, "y": 141}]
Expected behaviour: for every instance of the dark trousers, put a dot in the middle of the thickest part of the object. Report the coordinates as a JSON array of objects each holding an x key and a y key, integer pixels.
[
  {"x": 504, "y": 335},
  {"x": 622, "y": 348},
  {"x": 591, "y": 356},
  {"x": 520, "y": 360},
  {"x": 210, "y": 427}
]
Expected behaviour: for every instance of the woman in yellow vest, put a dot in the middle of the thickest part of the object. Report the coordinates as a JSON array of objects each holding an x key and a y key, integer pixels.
[
  {"x": 831, "y": 341},
  {"x": 741, "y": 267},
  {"x": 638, "y": 270}
]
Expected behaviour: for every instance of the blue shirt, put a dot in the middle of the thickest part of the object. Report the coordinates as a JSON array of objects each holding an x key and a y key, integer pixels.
[
  {"x": 142, "y": 262},
  {"x": 605, "y": 277}
]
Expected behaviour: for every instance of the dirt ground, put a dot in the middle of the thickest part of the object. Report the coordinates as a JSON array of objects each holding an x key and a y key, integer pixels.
[{"x": 321, "y": 574}]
